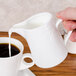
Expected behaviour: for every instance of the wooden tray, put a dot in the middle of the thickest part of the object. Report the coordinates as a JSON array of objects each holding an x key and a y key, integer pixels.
[{"x": 66, "y": 68}]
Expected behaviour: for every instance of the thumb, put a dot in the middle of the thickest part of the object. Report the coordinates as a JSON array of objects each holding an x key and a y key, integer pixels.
[{"x": 67, "y": 14}]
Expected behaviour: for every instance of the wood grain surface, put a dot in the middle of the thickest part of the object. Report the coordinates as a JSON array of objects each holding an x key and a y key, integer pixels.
[{"x": 66, "y": 68}]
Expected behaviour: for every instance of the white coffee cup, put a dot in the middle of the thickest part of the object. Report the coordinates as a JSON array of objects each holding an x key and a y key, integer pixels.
[
  {"x": 10, "y": 66},
  {"x": 45, "y": 42}
]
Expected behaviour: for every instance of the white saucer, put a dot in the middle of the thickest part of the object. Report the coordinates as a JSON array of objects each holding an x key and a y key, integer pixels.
[{"x": 26, "y": 72}]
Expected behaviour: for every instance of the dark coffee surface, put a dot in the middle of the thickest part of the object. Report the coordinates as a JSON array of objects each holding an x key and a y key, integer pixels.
[{"x": 4, "y": 50}]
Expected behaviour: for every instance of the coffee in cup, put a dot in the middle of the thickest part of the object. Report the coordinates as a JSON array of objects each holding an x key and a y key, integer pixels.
[{"x": 4, "y": 50}]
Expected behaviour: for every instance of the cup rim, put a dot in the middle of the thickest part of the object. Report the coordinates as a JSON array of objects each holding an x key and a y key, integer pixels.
[{"x": 21, "y": 51}]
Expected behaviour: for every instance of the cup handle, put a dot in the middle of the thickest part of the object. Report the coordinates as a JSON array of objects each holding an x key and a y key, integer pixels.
[
  {"x": 69, "y": 33},
  {"x": 24, "y": 64}
]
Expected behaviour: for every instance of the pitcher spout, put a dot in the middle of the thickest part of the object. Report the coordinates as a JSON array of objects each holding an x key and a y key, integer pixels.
[{"x": 35, "y": 22}]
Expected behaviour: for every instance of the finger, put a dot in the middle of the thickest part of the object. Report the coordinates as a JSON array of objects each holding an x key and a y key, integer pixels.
[
  {"x": 73, "y": 36},
  {"x": 69, "y": 25},
  {"x": 67, "y": 14}
]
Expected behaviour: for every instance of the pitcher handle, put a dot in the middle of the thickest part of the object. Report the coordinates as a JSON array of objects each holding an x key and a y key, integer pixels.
[{"x": 69, "y": 33}]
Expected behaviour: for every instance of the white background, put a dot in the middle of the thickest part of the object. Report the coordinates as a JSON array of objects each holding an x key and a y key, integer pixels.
[{"x": 15, "y": 11}]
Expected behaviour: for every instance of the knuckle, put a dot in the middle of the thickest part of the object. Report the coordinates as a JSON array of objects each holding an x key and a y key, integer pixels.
[{"x": 69, "y": 8}]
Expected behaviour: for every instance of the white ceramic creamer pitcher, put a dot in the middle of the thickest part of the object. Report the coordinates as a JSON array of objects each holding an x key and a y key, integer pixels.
[{"x": 45, "y": 42}]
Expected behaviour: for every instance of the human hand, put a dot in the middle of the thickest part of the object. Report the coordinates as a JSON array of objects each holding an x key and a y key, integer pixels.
[{"x": 69, "y": 21}]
